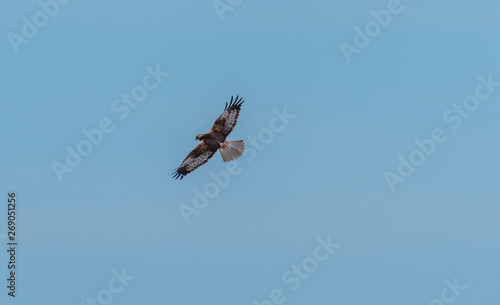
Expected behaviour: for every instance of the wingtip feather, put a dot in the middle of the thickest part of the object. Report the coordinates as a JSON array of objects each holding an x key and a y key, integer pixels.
[
  {"x": 179, "y": 173},
  {"x": 235, "y": 102}
]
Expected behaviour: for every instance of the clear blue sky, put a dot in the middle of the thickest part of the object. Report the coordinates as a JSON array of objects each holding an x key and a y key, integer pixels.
[{"x": 319, "y": 175}]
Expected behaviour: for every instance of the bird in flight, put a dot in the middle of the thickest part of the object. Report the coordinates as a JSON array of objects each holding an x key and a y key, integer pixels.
[{"x": 215, "y": 140}]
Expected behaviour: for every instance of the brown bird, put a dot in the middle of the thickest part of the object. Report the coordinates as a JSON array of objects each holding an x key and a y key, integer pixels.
[{"x": 215, "y": 140}]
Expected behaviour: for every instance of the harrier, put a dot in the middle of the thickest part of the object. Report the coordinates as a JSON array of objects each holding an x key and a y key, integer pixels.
[{"x": 215, "y": 140}]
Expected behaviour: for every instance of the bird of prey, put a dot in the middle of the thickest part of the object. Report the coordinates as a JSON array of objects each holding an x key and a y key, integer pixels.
[{"x": 215, "y": 140}]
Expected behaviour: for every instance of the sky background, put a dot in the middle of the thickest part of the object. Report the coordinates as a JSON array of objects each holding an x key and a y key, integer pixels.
[{"x": 321, "y": 176}]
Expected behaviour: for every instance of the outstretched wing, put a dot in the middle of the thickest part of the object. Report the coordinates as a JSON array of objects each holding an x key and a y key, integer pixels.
[
  {"x": 227, "y": 120},
  {"x": 196, "y": 158}
]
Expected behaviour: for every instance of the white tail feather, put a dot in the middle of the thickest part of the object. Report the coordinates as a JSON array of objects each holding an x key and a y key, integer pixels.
[{"x": 233, "y": 150}]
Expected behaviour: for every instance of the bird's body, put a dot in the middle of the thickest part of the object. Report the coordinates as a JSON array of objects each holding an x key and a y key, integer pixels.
[
  {"x": 215, "y": 140},
  {"x": 216, "y": 137}
]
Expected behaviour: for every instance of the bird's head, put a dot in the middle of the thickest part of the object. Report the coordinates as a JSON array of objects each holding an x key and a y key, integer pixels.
[{"x": 198, "y": 137}]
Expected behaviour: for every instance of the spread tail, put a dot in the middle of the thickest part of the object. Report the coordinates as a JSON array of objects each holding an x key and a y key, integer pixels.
[{"x": 231, "y": 150}]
